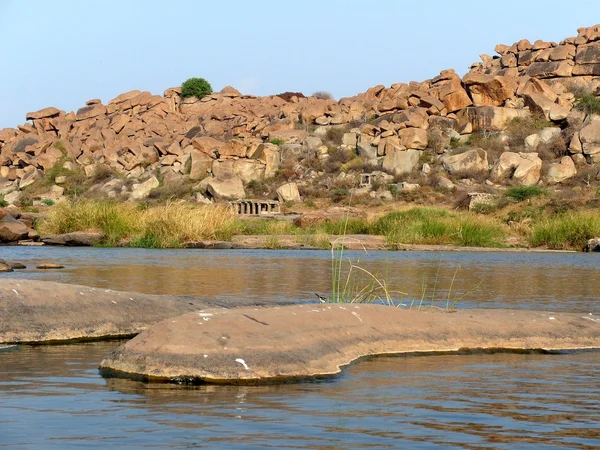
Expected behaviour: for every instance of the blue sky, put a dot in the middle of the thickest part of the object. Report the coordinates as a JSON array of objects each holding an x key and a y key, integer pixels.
[{"x": 64, "y": 52}]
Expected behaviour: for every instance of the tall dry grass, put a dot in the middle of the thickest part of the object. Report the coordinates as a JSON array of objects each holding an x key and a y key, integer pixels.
[{"x": 166, "y": 226}]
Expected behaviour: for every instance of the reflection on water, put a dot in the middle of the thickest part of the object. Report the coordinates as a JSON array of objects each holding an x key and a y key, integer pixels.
[
  {"x": 477, "y": 401},
  {"x": 54, "y": 398},
  {"x": 553, "y": 281}
]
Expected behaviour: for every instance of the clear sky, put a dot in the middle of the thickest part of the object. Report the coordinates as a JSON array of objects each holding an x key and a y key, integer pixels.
[{"x": 64, "y": 52}]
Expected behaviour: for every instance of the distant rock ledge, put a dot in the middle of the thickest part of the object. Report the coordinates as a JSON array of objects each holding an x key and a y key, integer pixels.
[{"x": 253, "y": 345}]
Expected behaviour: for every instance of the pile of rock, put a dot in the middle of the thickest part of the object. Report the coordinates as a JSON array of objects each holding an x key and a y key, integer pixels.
[
  {"x": 226, "y": 138},
  {"x": 16, "y": 226}
]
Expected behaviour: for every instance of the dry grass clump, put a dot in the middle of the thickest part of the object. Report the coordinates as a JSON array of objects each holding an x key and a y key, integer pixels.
[{"x": 170, "y": 225}]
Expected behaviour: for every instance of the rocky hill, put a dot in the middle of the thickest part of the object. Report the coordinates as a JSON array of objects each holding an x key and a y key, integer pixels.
[{"x": 524, "y": 117}]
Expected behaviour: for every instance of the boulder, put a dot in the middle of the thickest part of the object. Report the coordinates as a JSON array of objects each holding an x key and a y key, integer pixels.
[
  {"x": 559, "y": 172},
  {"x": 12, "y": 230},
  {"x": 142, "y": 190},
  {"x": 413, "y": 138},
  {"x": 589, "y": 136},
  {"x": 540, "y": 104},
  {"x": 489, "y": 90},
  {"x": 487, "y": 118},
  {"x": 288, "y": 193},
  {"x": 473, "y": 160},
  {"x": 244, "y": 169},
  {"x": 74, "y": 239},
  {"x": 401, "y": 161},
  {"x": 550, "y": 69},
  {"x": 200, "y": 166},
  {"x": 524, "y": 168},
  {"x": 270, "y": 155},
  {"x": 226, "y": 188},
  {"x": 43, "y": 113}
]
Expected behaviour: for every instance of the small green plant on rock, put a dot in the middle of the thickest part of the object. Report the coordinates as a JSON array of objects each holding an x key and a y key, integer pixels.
[
  {"x": 277, "y": 141},
  {"x": 195, "y": 87},
  {"x": 3, "y": 202},
  {"x": 588, "y": 103}
]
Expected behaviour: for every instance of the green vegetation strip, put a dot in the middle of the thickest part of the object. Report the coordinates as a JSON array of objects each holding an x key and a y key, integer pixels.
[{"x": 172, "y": 225}]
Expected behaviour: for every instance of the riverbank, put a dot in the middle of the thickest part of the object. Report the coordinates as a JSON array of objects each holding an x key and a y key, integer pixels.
[{"x": 530, "y": 224}]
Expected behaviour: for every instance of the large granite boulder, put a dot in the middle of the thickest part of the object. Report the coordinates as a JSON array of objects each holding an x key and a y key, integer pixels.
[
  {"x": 473, "y": 160},
  {"x": 524, "y": 168},
  {"x": 561, "y": 171}
]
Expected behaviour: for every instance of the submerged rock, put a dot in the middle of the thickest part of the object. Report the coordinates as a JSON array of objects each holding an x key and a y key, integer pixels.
[{"x": 252, "y": 345}]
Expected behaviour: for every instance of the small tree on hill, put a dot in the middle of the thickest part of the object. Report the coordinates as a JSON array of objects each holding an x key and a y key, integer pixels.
[{"x": 195, "y": 87}]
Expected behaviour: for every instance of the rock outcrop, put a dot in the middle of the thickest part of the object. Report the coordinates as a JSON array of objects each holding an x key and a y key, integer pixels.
[
  {"x": 42, "y": 311},
  {"x": 274, "y": 344},
  {"x": 227, "y": 135}
]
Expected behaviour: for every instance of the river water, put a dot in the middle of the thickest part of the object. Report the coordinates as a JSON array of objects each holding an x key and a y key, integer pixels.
[{"x": 53, "y": 396}]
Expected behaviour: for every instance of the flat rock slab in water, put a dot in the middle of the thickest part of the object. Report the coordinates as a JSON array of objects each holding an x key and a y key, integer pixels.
[
  {"x": 251, "y": 345},
  {"x": 42, "y": 311}
]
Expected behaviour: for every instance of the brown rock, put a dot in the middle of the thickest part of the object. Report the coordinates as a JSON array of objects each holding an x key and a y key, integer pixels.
[
  {"x": 6, "y": 134},
  {"x": 588, "y": 54},
  {"x": 88, "y": 112},
  {"x": 43, "y": 113},
  {"x": 562, "y": 171},
  {"x": 501, "y": 49},
  {"x": 540, "y": 104},
  {"x": 487, "y": 118},
  {"x": 524, "y": 168},
  {"x": 473, "y": 160},
  {"x": 550, "y": 69},
  {"x": 230, "y": 188},
  {"x": 74, "y": 239},
  {"x": 124, "y": 97},
  {"x": 523, "y": 45},
  {"x": 41, "y": 311},
  {"x": 562, "y": 52},
  {"x": 311, "y": 340},
  {"x": 586, "y": 69},
  {"x": 12, "y": 230},
  {"x": 230, "y": 92},
  {"x": 413, "y": 138},
  {"x": 488, "y": 90},
  {"x": 589, "y": 34}
]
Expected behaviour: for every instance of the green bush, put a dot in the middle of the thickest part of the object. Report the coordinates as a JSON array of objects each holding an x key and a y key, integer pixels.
[
  {"x": 588, "y": 103},
  {"x": 566, "y": 231},
  {"x": 2, "y": 201},
  {"x": 195, "y": 87},
  {"x": 438, "y": 227},
  {"x": 521, "y": 193}
]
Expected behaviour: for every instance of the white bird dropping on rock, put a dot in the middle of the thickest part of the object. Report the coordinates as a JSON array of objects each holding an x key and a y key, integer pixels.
[{"x": 243, "y": 363}]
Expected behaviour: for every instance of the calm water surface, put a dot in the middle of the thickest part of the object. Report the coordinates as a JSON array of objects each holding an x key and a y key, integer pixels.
[{"x": 53, "y": 397}]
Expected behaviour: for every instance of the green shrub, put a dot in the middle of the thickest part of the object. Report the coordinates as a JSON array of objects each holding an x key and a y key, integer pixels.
[
  {"x": 566, "y": 231},
  {"x": 277, "y": 141},
  {"x": 521, "y": 193},
  {"x": 48, "y": 202},
  {"x": 195, "y": 87},
  {"x": 438, "y": 227},
  {"x": 588, "y": 103},
  {"x": 3, "y": 202}
]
